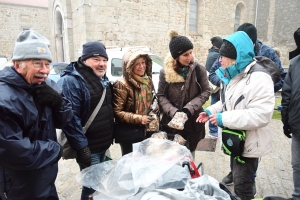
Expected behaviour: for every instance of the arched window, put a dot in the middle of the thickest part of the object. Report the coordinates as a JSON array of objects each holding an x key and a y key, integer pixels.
[
  {"x": 59, "y": 36},
  {"x": 239, "y": 14},
  {"x": 193, "y": 16}
]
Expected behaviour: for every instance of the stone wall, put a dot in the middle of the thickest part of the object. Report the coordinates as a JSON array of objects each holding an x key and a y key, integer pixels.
[
  {"x": 146, "y": 22},
  {"x": 276, "y": 23},
  {"x": 286, "y": 22},
  {"x": 14, "y": 18}
]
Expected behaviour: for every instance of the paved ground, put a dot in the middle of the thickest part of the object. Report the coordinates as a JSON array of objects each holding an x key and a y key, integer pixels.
[{"x": 274, "y": 175}]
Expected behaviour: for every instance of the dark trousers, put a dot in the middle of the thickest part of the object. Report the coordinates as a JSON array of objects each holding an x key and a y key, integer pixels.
[
  {"x": 213, "y": 130},
  {"x": 126, "y": 148},
  {"x": 96, "y": 158},
  {"x": 243, "y": 177}
]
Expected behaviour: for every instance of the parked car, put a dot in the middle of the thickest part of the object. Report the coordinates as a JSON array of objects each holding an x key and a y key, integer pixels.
[{"x": 55, "y": 70}]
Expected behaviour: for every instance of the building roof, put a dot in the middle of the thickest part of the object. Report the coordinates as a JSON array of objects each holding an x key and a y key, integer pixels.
[{"x": 36, "y": 3}]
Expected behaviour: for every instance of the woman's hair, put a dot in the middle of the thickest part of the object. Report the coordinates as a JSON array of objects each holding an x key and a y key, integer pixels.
[{"x": 177, "y": 65}]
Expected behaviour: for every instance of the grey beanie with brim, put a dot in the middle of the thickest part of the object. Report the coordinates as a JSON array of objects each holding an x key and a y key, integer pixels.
[{"x": 31, "y": 45}]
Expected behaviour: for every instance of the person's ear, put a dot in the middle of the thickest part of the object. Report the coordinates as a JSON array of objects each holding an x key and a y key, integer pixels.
[{"x": 17, "y": 65}]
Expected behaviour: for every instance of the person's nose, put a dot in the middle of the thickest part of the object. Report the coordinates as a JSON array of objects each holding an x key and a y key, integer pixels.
[
  {"x": 44, "y": 70},
  {"x": 101, "y": 63}
]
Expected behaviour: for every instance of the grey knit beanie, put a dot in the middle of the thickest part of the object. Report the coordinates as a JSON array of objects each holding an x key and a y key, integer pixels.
[
  {"x": 31, "y": 45},
  {"x": 178, "y": 44}
]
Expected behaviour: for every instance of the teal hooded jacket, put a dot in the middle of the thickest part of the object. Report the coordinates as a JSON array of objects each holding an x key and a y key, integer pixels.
[{"x": 245, "y": 54}]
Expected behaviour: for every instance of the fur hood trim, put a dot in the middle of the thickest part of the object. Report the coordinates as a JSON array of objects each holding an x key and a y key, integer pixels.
[{"x": 171, "y": 75}]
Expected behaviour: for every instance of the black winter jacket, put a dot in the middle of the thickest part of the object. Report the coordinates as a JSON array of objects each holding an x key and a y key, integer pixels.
[
  {"x": 291, "y": 97},
  {"x": 84, "y": 89}
]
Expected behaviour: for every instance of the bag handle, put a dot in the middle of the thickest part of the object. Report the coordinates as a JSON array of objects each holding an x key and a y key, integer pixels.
[{"x": 93, "y": 115}]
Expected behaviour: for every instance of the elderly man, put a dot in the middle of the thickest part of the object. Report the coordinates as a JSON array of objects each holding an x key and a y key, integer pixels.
[
  {"x": 30, "y": 109},
  {"x": 83, "y": 83}
]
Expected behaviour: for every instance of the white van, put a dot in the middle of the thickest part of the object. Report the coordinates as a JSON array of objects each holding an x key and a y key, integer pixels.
[
  {"x": 3, "y": 61},
  {"x": 114, "y": 64}
]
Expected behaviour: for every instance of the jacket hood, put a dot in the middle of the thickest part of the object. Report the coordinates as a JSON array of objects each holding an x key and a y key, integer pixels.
[
  {"x": 11, "y": 77},
  {"x": 128, "y": 61},
  {"x": 214, "y": 49},
  {"x": 245, "y": 54}
]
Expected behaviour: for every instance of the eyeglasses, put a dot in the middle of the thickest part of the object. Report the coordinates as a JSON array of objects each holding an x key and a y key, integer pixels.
[{"x": 39, "y": 64}]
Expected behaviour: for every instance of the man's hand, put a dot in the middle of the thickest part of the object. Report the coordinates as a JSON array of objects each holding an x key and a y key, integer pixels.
[
  {"x": 287, "y": 131},
  {"x": 46, "y": 95},
  {"x": 84, "y": 157}
]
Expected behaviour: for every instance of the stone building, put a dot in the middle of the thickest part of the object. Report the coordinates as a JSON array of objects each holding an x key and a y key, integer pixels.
[
  {"x": 276, "y": 23},
  {"x": 71, "y": 23},
  {"x": 146, "y": 22},
  {"x": 19, "y": 15}
]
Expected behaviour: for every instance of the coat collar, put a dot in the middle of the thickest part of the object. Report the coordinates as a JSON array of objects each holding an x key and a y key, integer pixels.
[{"x": 171, "y": 75}]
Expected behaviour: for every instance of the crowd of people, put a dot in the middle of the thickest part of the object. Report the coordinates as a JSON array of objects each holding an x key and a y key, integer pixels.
[{"x": 32, "y": 106}]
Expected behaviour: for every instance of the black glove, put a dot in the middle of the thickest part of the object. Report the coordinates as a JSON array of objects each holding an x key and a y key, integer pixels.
[
  {"x": 287, "y": 131},
  {"x": 46, "y": 95},
  {"x": 187, "y": 112},
  {"x": 84, "y": 157}
]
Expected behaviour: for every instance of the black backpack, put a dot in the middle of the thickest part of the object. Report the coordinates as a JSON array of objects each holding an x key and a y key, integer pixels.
[{"x": 268, "y": 66}]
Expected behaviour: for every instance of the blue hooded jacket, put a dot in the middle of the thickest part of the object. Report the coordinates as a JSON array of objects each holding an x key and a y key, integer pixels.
[
  {"x": 245, "y": 53},
  {"x": 259, "y": 50},
  {"x": 29, "y": 151}
]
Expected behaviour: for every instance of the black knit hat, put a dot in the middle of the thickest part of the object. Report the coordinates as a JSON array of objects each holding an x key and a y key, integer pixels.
[
  {"x": 91, "y": 49},
  {"x": 296, "y": 52},
  {"x": 250, "y": 30},
  {"x": 228, "y": 50},
  {"x": 178, "y": 44},
  {"x": 216, "y": 41}
]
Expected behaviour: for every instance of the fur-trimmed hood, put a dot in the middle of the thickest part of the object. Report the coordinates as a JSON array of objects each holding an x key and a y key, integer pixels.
[
  {"x": 171, "y": 75},
  {"x": 128, "y": 61}
]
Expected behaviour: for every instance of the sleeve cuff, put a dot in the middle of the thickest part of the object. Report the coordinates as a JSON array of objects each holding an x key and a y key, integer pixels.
[
  {"x": 219, "y": 120},
  {"x": 207, "y": 112}
]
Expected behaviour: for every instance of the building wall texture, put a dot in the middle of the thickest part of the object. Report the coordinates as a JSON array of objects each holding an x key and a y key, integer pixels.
[
  {"x": 276, "y": 23},
  {"x": 146, "y": 22},
  {"x": 16, "y": 17},
  {"x": 68, "y": 24}
]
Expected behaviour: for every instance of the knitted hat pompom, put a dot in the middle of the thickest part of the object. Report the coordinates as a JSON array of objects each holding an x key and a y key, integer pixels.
[{"x": 172, "y": 34}]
